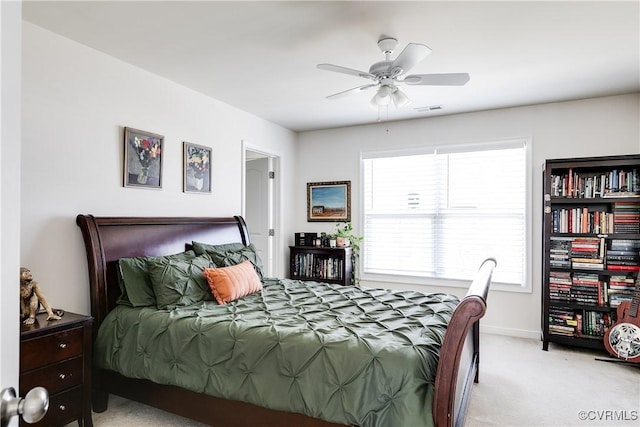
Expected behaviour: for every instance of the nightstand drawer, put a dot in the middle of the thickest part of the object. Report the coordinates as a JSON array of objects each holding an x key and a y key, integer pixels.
[
  {"x": 64, "y": 408},
  {"x": 52, "y": 348},
  {"x": 55, "y": 377}
]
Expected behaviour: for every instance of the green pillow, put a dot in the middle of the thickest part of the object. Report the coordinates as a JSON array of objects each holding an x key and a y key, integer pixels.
[
  {"x": 230, "y": 254},
  {"x": 135, "y": 283},
  {"x": 178, "y": 283}
]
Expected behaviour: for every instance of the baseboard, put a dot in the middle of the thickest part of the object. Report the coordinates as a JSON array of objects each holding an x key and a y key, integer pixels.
[{"x": 510, "y": 332}]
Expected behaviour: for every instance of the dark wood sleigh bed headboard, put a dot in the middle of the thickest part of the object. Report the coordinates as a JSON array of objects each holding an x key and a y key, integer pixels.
[{"x": 108, "y": 239}]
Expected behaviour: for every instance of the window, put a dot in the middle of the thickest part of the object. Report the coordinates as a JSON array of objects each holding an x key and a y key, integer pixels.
[{"x": 439, "y": 213}]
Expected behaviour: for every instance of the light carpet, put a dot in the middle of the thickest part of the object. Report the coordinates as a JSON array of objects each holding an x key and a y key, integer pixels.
[{"x": 520, "y": 385}]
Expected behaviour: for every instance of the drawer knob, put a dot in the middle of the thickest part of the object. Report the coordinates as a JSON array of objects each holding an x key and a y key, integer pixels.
[
  {"x": 63, "y": 345},
  {"x": 63, "y": 408},
  {"x": 62, "y": 376}
]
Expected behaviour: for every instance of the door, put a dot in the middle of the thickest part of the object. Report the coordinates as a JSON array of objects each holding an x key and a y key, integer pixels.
[{"x": 259, "y": 206}]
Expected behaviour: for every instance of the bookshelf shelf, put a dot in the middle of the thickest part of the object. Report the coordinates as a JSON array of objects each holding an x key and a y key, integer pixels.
[
  {"x": 591, "y": 246},
  {"x": 330, "y": 265}
]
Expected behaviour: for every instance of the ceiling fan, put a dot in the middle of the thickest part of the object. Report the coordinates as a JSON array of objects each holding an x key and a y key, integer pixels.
[{"x": 387, "y": 74}]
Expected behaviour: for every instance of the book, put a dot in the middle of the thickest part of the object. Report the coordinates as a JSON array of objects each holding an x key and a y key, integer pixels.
[
  {"x": 587, "y": 266},
  {"x": 613, "y": 194},
  {"x": 624, "y": 267}
]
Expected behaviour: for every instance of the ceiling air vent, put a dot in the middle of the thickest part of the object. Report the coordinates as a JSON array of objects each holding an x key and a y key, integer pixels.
[{"x": 429, "y": 108}]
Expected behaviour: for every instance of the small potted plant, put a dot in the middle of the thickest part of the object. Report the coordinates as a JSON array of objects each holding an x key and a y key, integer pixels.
[{"x": 344, "y": 234}]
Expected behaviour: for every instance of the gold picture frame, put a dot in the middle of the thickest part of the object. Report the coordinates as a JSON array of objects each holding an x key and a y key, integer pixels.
[{"x": 329, "y": 201}]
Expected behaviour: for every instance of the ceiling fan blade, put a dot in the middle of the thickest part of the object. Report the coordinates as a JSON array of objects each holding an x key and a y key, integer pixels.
[
  {"x": 451, "y": 79},
  {"x": 350, "y": 91},
  {"x": 412, "y": 54},
  {"x": 344, "y": 70}
]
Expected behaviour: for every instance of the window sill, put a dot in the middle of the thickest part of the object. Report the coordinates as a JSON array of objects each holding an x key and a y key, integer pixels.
[{"x": 414, "y": 282}]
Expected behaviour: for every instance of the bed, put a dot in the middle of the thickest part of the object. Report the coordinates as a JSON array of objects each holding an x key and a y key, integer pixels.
[{"x": 447, "y": 363}]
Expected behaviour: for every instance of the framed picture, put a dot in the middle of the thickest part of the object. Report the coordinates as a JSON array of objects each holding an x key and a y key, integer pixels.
[
  {"x": 329, "y": 201},
  {"x": 142, "y": 159},
  {"x": 197, "y": 168}
]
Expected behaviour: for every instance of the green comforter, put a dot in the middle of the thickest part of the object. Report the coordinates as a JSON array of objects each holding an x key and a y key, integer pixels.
[{"x": 344, "y": 354}]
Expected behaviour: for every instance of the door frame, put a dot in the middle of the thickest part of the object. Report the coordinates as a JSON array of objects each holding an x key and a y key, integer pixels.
[
  {"x": 10, "y": 167},
  {"x": 274, "y": 186}
]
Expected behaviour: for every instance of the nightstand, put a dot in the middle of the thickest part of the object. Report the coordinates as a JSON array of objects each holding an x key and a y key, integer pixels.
[{"x": 56, "y": 355}]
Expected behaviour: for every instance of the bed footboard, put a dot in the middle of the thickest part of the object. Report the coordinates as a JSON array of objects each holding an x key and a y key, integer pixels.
[{"x": 460, "y": 352}]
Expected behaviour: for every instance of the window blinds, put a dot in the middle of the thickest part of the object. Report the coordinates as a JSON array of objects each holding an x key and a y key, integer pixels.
[{"x": 441, "y": 213}]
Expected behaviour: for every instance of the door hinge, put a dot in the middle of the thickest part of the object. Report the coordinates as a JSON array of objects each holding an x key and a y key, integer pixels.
[
  {"x": 272, "y": 175},
  {"x": 272, "y": 232}
]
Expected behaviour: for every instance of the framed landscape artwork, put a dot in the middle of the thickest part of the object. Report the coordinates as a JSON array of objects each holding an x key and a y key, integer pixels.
[
  {"x": 197, "y": 168},
  {"x": 329, "y": 201},
  {"x": 142, "y": 159}
]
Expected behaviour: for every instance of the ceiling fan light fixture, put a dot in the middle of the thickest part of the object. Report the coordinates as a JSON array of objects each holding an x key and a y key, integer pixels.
[
  {"x": 382, "y": 96},
  {"x": 379, "y": 101},
  {"x": 400, "y": 99}
]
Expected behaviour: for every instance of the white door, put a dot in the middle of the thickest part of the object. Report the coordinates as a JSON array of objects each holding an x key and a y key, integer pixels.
[{"x": 259, "y": 207}]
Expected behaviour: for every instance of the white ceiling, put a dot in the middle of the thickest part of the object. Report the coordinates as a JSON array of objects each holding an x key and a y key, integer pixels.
[{"x": 261, "y": 56}]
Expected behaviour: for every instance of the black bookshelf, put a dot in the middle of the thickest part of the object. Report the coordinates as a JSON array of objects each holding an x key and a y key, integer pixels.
[
  {"x": 330, "y": 265},
  {"x": 591, "y": 246}
]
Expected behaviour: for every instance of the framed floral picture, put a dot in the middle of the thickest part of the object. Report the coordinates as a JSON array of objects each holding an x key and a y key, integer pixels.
[
  {"x": 329, "y": 201},
  {"x": 197, "y": 168},
  {"x": 142, "y": 159}
]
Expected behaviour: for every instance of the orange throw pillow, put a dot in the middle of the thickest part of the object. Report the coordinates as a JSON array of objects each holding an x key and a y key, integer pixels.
[{"x": 230, "y": 283}]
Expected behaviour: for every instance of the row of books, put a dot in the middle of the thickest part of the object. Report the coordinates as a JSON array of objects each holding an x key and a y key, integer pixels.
[
  {"x": 625, "y": 218},
  {"x": 581, "y": 220},
  {"x": 317, "y": 266},
  {"x": 577, "y": 252},
  {"x": 586, "y": 324},
  {"x": 590, "y": 289},
  {"x": 577, "y": 288},
  {"x": 623, "y": 254},
  {"x": 614, "y": 183},
  {"x": 592, "y": 253}
]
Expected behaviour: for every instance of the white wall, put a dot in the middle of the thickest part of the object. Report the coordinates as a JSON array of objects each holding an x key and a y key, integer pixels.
[
  {"x": 10, "y": 46},
  {"x": 594, "y": 127},
  {"x": 76, "y": 102}
]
